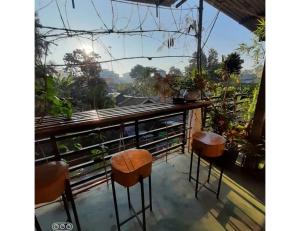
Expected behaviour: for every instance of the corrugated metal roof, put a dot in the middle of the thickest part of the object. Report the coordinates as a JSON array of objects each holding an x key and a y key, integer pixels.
[
  {"x": 245, "y": 12},
  {"x": 131, "y": 100}
]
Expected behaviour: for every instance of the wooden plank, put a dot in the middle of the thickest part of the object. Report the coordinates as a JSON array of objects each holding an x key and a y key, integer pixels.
[
  {"x": 74, "y": 123},
  {"x": 113, "y": 116},
  {"x": 100, "y": 114}
]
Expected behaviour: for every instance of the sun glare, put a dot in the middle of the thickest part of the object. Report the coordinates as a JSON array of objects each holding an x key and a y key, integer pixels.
[{"x": 87, "y": 49}]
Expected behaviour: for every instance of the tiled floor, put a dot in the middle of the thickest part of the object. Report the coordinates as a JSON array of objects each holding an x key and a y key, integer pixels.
[{"x": 174, "y": 205}]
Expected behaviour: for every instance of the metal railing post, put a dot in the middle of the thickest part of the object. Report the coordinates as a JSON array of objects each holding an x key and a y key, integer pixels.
[
  {"x": 137, "y": 136},
  {"x": 55, "y": 148},
  {"x": 184, "y": 130}
]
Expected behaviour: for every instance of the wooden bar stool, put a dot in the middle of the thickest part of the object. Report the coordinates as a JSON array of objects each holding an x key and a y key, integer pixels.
[
  {"x": 128, "y": 168},
  {"x": 209, "y": 146},
  {"x": 51, "y": 182}
]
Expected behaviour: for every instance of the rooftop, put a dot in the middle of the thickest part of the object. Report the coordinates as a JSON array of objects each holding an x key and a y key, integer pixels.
[{"x": 245, "y": 12}]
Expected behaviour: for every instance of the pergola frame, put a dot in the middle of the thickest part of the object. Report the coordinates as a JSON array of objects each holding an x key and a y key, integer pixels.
[{"x": 245, "y": 12}]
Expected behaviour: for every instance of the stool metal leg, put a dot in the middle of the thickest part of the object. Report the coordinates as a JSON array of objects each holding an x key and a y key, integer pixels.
[
  {"x": 190, "y": 174},
  {"x": 115, "y": 203},
  {"x": 66, "y": 208},
  {"x": 150, "y": 193},
  {"x": 70, "y": 196},
  {"x": 128, "y": 197},
  {"x": 37, "y": 225},
  {"x": 143, "y": 203},
  {"x": 197, "y": 181},
  {"x": 209, "y": 171},
  {"x": 220, "y": 181}
]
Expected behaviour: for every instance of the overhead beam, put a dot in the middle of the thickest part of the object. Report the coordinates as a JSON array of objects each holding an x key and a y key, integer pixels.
[
  {"x": 166, "y": 3},
  {"x": 180, "y": 3}
]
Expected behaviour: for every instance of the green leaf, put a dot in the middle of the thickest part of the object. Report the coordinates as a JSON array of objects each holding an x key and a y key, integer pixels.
[{"x": 77, "y": 146}]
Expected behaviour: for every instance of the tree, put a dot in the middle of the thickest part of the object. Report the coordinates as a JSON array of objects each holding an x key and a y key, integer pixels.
[
  {"x": 193, "y": 62},
  {"x": 144, "y": 80},
  {"x": 175, "y": 71},
  {"x": 126, "y": 89},
  {"x": 137, "y": 71},
  {"x": 212, "y": 64},
  {"x": 163, "y": 86},
  {"x": 212, "y": 59},
  {"x": 89, "y": 91},
  {"x": 257, "y": 52},
  {"x": 82, "y": 63},
  {"x": 47, "y": 97},
  {"x": 41, "y": 51},
  {"x": 41, "y": 45},
  {"x": 256, "y": 49}
]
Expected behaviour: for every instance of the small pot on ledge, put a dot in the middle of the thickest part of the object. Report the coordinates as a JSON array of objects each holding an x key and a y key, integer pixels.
[{"x": 192, "y": 95}]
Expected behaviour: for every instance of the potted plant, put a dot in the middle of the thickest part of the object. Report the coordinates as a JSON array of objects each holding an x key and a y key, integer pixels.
[
  {"x": 191, "y": 92},
  {"x": 234, "y": 135},
  {"x": 231, "y": 153},
  {"x": 188, "y": 87},
  {"x": 253, "y": 154},
  {"x": 253, "y": 158}
]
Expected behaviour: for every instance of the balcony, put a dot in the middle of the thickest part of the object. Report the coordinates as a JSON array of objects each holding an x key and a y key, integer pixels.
[
  {"x": 240, "y": 207},
  {"x": 90, "y": 139}
]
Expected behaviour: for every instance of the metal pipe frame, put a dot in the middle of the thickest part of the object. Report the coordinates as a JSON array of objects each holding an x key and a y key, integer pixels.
[
  {"x": 68, "y": 196},
  {"x": 179, "y": 133},
  {"x": 208, "y": 177},
  {"x": 131, "y": 208},
  {"x": 184, "y": 131},
  {"x": 37, "y": 225},
  {"x": 53, "y": 140},
  {"x": 65, "y": 202}
]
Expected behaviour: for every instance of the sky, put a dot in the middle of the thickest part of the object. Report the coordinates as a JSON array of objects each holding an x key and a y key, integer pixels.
[{"x": 226, "y": 35}]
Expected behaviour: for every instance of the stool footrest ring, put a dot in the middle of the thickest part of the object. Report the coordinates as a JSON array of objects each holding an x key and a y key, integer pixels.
[
  {"x": 203, "y": 185},
  {"x": 134, "y": 215}
]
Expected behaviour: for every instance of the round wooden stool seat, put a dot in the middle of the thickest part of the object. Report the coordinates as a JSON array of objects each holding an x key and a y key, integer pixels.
[
  {"x": 50, "y": 180},
  {"x": 208, "y": 144},
  {"x": 128, "y": 166}
]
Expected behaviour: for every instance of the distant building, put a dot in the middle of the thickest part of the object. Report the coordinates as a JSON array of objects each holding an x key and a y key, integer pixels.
[
  {"x": 161, "y": 72},
  {"x": 126, "y": 78},
  {"x": 110, "y": 77},
  {"x": 105, "y": 73}
]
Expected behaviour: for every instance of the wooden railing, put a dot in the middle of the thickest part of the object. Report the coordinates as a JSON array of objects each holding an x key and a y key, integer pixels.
[{"x": 89, "y": 139}]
